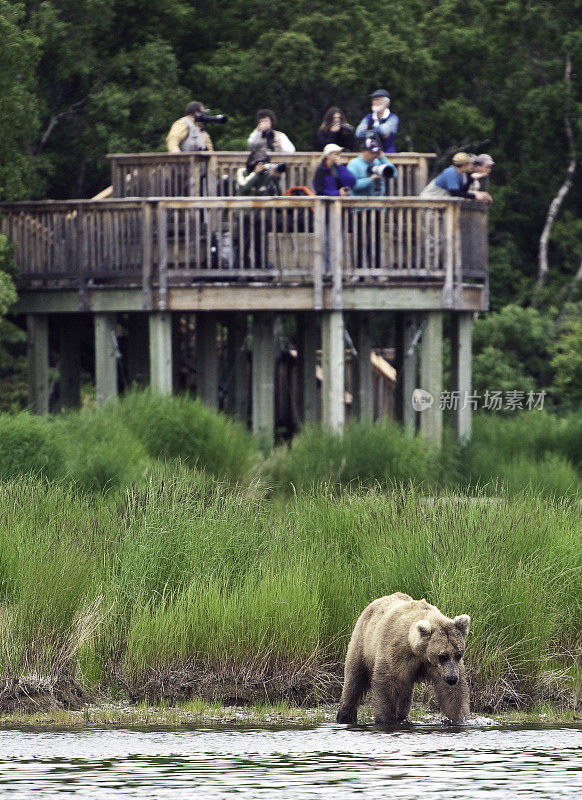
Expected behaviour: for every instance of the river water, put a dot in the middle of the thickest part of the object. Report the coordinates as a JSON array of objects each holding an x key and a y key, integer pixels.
[{"x": 320, "y": 761}]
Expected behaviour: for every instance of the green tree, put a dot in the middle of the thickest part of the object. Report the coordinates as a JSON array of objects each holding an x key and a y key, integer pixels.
[
  {"x": 18, "y": 104},
  {"x": 566, "y": 360}
]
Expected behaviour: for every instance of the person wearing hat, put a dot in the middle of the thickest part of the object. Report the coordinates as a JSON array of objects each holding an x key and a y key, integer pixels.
[
  {"x": 188, "y": 134},
  {"x": 370, "y": 169},
  {"x": 482, "y": 165},
  {"x": 454, "y": 181},
  {"x": 381, "y": 122},
  {"x": 332, "y": 178}
]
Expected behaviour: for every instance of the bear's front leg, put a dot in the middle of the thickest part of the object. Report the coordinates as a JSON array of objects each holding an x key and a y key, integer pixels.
[
  {"x": 453, "y": 700},
  {"x": 391, "y": 700},
  {"x": 356, "y": 684}
]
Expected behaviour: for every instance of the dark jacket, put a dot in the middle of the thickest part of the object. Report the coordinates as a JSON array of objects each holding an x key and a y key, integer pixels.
[
  {"x": 329, "y": 180},
  {"x": 344, "y": 137}
]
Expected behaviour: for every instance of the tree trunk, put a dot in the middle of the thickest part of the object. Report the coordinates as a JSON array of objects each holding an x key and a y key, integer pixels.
[{"x": 556, "y": 203}]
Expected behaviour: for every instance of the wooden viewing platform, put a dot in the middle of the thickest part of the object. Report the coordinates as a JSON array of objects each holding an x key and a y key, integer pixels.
[{"x": 147, "y": 252}]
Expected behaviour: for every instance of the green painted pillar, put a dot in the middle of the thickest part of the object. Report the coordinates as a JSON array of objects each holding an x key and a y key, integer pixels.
[
  {"x": 38, "y": 363},
  {"x": 161, "y": 366},
  {"x": 461, "y": 369},
  {"x": 106, "y": 352},
  {"x": 333, "y": 412},
  {"x": 263, "y": 377},
  {"x": 431, "y": 376},
  {"x": 207, "y": 358}
]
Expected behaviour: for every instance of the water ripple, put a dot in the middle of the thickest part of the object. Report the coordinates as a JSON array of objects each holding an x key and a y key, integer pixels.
[{"x": 298, "y": 764}]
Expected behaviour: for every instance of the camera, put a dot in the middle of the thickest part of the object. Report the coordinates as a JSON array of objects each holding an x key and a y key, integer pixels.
[
  {"x": 272, "y": 167},
  {"x": 220, "y": 118},
  {"x": 385, "y": 171}
]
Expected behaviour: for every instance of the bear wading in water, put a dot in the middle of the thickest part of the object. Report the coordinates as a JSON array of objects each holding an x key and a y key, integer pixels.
[{"x": 398, "y": 641}]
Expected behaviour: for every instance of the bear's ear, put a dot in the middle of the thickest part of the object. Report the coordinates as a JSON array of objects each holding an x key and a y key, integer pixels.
[
  {"x": 462, "y": 622},
  {"x": 419, "y": 634}
]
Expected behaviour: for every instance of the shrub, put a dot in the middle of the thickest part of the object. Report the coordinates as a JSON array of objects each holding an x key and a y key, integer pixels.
[
  {"x": 101, "y": 453},
  {"x": 178, "y": 427},
  {"x": 28, "y": 445},
  {"x": 365, "y": 454}
]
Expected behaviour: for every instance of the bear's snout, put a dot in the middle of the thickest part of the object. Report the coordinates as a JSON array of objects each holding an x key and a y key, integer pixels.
[{"x": 451, "y": 680}]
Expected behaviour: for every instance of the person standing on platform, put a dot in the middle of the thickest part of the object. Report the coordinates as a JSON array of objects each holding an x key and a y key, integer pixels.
[{"x": 380, "y": 122}]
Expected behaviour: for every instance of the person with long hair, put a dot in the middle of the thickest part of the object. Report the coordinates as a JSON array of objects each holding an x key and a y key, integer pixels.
[{"x": 334, "y": 129}]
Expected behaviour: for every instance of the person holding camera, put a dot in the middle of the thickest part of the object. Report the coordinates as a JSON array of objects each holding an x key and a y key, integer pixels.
[
  {"x": 334, "y": 130},
  {"x": 258, "y": 178},
  {"x": 265, "y": 135},
  {"x": 372, "y": 171},
  {"x": 188, "y": 133},
  {"x": 381, "y": 123}
]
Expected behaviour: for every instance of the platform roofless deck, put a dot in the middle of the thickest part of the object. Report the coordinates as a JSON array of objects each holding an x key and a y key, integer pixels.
[{"x": 172, "y": 238}]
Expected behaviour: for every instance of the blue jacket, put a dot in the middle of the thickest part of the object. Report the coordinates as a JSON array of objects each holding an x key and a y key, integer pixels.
[
  {"x": 365, "y": 186},
  {"x": 329, "y": 180},
  {"x": 386, "y": 131}
]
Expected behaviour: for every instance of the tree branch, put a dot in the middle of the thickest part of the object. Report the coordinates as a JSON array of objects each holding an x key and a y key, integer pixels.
[{"x": 54, "y": 121}]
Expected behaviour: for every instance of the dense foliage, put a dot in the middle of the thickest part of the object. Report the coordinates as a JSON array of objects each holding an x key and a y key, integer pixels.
[{"x": 80, "y": 79}]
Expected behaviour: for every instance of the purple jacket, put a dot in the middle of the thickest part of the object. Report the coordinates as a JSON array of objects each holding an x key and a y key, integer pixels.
[{"x": 329, "y": 180}]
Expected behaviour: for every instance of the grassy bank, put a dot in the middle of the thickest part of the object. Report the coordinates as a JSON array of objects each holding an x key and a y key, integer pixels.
[{"x": 185, "y": 586}]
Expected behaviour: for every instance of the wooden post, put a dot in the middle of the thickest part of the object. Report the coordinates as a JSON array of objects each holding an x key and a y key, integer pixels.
[
  {"x": 333, "y": 366},
  {"x": 38, "y": 363},
  {"x": 263, "y": 380},
  {"x": 70, "y": 361},
  {"x": 160, "y": 336},
  {"x": 406, "y": 371},
  {"x": 306, "y": 363},
  {"x": 207, "y": 358},
  {"x": 362, "y": 386},
  {"x": 461, "y": 351},
  {"x": 106, "y": 352},
  {"x": 431, "y": 376}
]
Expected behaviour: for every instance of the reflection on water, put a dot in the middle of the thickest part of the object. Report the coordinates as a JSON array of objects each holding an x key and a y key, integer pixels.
[{"x": 324, "y": 761}]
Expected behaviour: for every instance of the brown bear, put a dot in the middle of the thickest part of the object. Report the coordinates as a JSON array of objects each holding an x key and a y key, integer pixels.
[{"x": 398, "y": 641}]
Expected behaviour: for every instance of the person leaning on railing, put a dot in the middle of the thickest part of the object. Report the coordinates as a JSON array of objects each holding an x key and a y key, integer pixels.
[
  {"x": 454, "y": 182},
  {"x": 188, "y": 134}
]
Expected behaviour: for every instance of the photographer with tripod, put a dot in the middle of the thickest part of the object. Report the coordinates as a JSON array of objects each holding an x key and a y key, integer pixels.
[
  {"x": 188, "y": 134},
  {"x": 372, "y": 172}
]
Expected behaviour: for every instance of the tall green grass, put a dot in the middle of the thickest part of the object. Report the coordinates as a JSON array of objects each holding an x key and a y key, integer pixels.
[{"x": 184, "y": 581}]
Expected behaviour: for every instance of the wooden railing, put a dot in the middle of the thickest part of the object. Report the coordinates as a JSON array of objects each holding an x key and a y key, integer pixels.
[
  {"x": 214, "y": 174},
  {"x": 179, "y": 241}
]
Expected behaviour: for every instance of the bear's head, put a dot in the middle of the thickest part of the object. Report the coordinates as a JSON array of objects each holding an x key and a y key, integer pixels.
[{"x": 441, "y": 643}]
